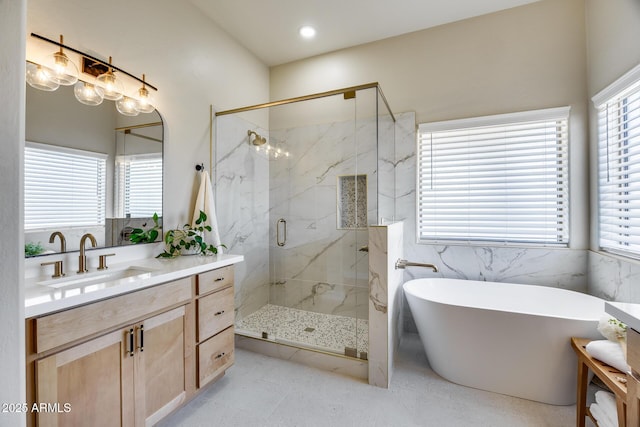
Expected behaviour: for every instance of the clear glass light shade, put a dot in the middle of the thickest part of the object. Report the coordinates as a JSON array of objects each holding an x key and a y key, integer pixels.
[
  {"x": 146, "y": 103},
  {"x": 88, "y": 93},
  {"x": 111, "y": 86},
  {"x": 64, "y": 71},
  {"x": 127, "y": 106},
  {"x": 39, "y": 77}
]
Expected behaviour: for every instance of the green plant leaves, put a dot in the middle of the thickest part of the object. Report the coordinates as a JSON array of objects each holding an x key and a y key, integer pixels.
[{"x": 188, "y": 237}]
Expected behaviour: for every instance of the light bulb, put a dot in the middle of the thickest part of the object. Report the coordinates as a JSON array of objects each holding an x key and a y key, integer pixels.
[
  {"x": 87, "y": 93},
  {"x": 111, "y": 85},
  {"x": 63, "y": 70},
  {"x": 146, "y": 104},
  {"x": 39, "y": 77},
  {"x": 127, "y": 106}
]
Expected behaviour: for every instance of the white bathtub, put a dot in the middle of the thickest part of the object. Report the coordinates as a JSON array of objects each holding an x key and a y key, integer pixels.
[{"x": 505, "y": 338}]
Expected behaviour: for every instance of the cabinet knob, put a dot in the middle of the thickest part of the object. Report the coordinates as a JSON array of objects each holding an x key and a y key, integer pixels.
[
  {"x": 219, "y": 313},
  {"x": 219, "y": 279},
  {"x": 220, "y": 355}
]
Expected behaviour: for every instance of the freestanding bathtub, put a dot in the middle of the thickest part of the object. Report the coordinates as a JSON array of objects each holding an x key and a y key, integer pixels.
[{"x": 505, "y": 338}]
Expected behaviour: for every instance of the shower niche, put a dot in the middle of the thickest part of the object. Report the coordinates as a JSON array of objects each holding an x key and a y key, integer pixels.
[
  {"x": 351, "y": 201},
  {"x": 301, "y": 219}
]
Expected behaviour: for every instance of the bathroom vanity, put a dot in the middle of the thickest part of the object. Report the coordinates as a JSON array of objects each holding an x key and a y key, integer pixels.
[{"x": 128, "y": 350}]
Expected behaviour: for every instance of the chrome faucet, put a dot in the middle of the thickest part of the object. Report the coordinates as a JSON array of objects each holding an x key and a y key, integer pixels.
[
  {"x": 82, "y": 262},
  {"x": 63, "y": 241}
]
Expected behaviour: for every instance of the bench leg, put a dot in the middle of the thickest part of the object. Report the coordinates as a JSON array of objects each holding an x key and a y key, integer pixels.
[{"x": 581, "y": 403}]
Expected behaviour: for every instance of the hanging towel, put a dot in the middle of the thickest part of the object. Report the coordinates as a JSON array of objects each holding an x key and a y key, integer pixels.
[{"x": 205, "y": 203}]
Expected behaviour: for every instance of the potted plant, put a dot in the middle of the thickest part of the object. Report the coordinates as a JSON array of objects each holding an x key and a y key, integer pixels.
[{"x": 188, "y": 239}]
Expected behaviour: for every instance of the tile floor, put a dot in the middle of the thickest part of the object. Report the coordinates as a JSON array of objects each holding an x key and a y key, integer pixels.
[
  {"x": 327, "y": 332},
  {"x": 263, "y": 391}
]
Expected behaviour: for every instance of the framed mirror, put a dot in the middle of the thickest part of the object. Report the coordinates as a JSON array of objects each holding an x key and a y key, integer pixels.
[{"x": 88, "y": 169}]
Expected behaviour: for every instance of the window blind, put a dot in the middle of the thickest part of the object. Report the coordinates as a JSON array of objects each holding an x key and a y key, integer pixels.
[
  {"x": 619, "y": 171},
  {"x": 139, "y": 185},
  {"x": 63, "y": 187},
  {"x": 495, "y": 179}
]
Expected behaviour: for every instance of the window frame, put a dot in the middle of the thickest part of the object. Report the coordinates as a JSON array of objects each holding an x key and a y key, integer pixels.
[{"x": 557, "y": 113}]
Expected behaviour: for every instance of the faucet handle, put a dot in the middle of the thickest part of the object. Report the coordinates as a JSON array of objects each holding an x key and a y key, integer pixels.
[
  {"x": 102, "y": 261},
  {"x": 58, "y": 270}
]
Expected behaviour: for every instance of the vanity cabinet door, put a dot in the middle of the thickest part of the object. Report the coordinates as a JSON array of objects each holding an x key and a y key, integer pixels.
[
  {"x": 160, "y": 366},
  {"x": 91, "y": 381}
]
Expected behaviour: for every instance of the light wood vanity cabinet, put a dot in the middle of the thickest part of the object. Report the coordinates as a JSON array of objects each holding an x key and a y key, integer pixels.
[
  {"x": 130, "y": 360},
  {"x": 215, "y": 315}
]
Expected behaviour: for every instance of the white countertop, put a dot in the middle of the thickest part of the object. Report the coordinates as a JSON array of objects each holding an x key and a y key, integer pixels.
[
  {"x": 625, "y": 312},
  {"x": 44, "y": 295}
]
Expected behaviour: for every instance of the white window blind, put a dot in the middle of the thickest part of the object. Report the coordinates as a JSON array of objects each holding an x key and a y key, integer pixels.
[
  {"x": 495, "y": 179},
  {"x": 619, "y": 167},
  {"x": 139, "y": 185},
  {"x": 63, "y": 187}
]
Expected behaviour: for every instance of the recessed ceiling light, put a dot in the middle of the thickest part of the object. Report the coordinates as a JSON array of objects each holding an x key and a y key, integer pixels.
[{"x": 307, "y": 32}]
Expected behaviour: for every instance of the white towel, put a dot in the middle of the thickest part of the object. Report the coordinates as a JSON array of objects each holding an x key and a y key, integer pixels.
[
  {"x": 205, "y": 203},
  {"x": 600, "y": 416},
  {"x": 608, "y": 352},
  {"x": 607, "y": 402}
]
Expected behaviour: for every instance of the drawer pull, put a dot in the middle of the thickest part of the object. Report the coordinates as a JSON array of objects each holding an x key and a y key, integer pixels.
[
  {"x": 219, "y": 279},
  {"x": 219, "y": 356},
  {"x": 141, "y": 337},
  {"x": 130, "y": 349},
  {"x": 219, "y": 313}
]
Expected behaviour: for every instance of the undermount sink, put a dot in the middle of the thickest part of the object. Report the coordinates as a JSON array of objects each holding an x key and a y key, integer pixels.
[{"x": 129, "y": 273}]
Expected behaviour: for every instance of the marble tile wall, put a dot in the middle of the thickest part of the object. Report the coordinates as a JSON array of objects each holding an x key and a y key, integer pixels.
[
  {"x": 319, "y": 256},
  {"x": 385, "y": 293},
  {"x": 563, "y": 268},
  {"x": 241, "y": 187},
  {"x": 614, "y": 278}
]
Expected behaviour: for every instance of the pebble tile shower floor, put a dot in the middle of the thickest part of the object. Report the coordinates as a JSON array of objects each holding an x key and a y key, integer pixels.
[{"x": 326, "y": 332}]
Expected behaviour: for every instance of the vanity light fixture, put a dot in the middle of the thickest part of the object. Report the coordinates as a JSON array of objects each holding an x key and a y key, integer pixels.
[{"x": 58, "y": 69}]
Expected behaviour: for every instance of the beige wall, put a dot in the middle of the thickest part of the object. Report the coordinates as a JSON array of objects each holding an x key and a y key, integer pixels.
[{"x": 529, "y": 57}]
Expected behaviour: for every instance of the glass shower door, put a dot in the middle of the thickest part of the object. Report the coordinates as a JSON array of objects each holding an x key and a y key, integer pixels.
[{"x": 316, "y": 224}]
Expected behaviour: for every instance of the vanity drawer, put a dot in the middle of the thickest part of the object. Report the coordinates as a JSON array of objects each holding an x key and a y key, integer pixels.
[
  {"x": 215, "y": 279},
  {"x": 215, "y": 355},
  {"x": 215, "y": 313},
  {"x": 67, "y": 326}
]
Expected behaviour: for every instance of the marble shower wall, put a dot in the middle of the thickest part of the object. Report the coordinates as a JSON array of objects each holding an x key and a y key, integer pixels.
[
  {"x": 242, "y": 182},
  {"x": 320, "y": 268},
  {"x": 562, "y": 268}
]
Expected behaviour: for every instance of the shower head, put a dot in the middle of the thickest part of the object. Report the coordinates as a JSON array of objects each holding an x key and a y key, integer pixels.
[{"x": 257, "y": 140}]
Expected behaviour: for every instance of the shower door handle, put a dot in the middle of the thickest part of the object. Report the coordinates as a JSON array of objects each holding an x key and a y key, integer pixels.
[{"x": 284, "y": 223}]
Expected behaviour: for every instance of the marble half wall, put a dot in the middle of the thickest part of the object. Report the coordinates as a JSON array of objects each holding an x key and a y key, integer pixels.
[
  {"x": 241, "y": 188},
  {"x": 385, "y": 300},
  {"x": 614, "y": 278},
  {"x": 557, "y": 267}
]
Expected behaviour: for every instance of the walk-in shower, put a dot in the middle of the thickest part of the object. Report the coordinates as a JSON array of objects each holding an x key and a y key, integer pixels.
[{"x": 297, "y": 183}]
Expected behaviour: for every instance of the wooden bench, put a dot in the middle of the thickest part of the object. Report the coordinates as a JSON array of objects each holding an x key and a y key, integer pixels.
[{"x": 607, "y": 374}]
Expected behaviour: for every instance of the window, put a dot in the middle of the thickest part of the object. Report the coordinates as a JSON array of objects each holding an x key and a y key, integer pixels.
[
  {"x": 495, "y": 179},
  {"x": 63, "y": 187},
  {"x": 139, "y": 185},
  {"x": 619, "y": 165}
]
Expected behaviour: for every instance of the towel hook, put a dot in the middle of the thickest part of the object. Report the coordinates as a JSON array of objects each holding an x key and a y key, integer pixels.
[{"x": 200, "y": 167}]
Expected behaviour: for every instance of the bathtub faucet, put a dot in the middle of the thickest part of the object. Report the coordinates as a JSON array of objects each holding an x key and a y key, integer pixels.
[{"x": 403, "y": 263}]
